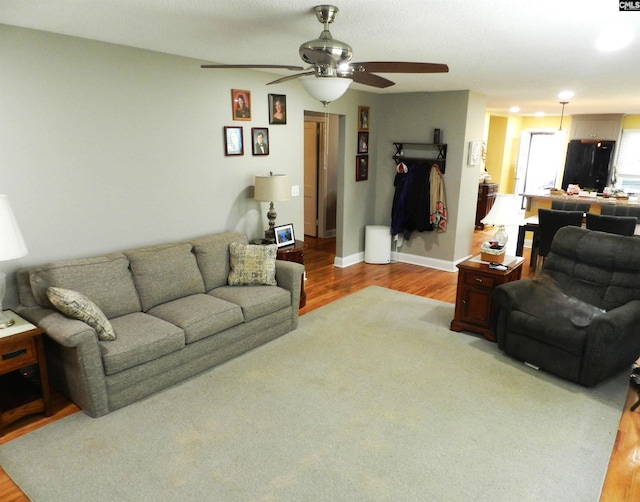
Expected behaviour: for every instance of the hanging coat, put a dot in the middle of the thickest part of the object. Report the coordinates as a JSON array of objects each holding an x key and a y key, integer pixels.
[{"x": 437, "y": 203}]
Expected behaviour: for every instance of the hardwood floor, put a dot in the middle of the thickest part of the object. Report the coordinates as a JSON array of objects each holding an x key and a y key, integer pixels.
[{"x": 325, "y": 284}]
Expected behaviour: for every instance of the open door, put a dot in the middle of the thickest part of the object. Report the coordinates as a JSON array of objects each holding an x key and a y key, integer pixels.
[{"x": 311, "y": 163}]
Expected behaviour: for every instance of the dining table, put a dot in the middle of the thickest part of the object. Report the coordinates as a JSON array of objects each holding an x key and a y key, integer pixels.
[{"x": 531, "y": 224}]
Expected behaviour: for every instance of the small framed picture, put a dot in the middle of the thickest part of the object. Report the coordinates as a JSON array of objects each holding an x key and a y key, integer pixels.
[
  {"x": 363, "y": 118},
  {"x": 260, "y": 137},
  {"x": 233, "y": 144},
  {"x": 284, "y": 235},
  {"x": 362, "y": 167},
  {"x": 277, "y": 109},
  {"x": 363, "y": 142},
  {"x": 475, "y": 153},
  {"x": 241, "y": 104}
]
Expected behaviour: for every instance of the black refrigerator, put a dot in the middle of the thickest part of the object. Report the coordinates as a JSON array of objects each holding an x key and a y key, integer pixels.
[{"x": 588, "y": 164}]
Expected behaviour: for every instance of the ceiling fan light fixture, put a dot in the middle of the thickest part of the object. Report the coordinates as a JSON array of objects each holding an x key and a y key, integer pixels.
[{"x": 326, "y": 89}]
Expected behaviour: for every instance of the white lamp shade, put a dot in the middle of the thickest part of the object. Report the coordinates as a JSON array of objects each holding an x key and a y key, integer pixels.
[
  {"x": 326, "y": 89},
  {"x": 505, "y": 211},
  {"x": 272, "y": 188},
  {"x": 12, "y": 244}
]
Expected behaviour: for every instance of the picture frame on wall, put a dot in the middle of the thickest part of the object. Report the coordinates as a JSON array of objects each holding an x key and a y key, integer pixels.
[
  {"x": 260, "y": 140},
  {"x": 362, "y": 167},
  {"x": 233, "y": 144},
  {"x": 363, "y": 142},
  {"x": 241, "y": 104},
  {"x": 475, "y": 153},
  {"x": 363, "y": 118},
  {"x": 285, "y": 236},
  {"x": 277, "y": 109}
]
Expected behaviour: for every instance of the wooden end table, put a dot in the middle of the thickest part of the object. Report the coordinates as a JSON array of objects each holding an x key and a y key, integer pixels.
[
  {"x": 21, "y": 346},
  {"x": 476, "y": 282}
]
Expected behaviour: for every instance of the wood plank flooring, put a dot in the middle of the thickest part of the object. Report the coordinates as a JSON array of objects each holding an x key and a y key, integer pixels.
[{"x": 325, "y": 284}]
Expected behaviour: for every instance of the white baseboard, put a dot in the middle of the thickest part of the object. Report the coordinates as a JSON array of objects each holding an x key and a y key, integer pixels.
[{"x": 423, "y": 261}]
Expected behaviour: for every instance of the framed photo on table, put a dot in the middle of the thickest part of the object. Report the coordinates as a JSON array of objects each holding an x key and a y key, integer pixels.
[
  {"x": 233, "y": 144},
  {"x": 284, "y": 235},
  {"x": 241, "y": 104}
]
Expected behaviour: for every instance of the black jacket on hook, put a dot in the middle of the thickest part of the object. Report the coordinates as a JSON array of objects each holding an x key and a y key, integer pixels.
[{"x": 411, "y": 199}]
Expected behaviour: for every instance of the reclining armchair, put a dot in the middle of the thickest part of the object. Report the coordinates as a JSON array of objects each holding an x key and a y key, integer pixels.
[{"x": 580, "y": 320}]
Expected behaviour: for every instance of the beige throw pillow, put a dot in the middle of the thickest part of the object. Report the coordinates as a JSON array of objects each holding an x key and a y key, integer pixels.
[
  {"x": 78, "y": 306},
  {"x": 252, "y": 264}
]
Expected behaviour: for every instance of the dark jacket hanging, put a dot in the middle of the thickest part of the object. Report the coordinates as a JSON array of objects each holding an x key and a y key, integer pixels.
[{"x": 411, "y": 199}]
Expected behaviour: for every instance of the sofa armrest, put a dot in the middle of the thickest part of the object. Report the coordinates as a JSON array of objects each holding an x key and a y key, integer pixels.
[
  {"x": 64, "y": 330},
  {"x": 289, "y": 276},
  {"x": 74, "y": 358},
  {"x": 506, "y": 298},
  {"x": 612, "y": 343}
]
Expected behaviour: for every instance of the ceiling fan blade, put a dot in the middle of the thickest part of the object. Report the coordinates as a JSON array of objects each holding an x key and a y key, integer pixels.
[
  {"x": 362, "y": 77},
  {"x": 255, "y": 66},
  {"x": 290, "y": 77},
  {"x": 400, "y": 67}
]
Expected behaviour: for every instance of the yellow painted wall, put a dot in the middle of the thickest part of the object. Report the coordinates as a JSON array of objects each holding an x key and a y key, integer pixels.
[
  {"x": 631, "y": 122},
  {"x": 496, "y": 146}
]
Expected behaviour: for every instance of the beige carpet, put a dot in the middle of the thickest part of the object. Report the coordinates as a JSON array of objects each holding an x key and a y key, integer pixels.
[{"x": 372, "y": 398}]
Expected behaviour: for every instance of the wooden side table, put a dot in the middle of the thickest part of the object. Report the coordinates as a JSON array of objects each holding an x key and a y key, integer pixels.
[
  {"x": 21, "y": 346},
  {"x": 295, "y": 253},
  {"x": 476, "y": 282}
]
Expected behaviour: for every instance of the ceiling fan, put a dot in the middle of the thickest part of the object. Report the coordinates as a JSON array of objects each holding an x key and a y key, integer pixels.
[{"x": 331, "y": 58}]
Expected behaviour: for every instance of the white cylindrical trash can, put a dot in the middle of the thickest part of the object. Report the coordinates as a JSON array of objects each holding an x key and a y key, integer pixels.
[{"x": 377, "y": 244}]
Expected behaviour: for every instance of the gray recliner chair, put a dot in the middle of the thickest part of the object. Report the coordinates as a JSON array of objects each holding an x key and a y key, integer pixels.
[{"x": 581, "y": 319}]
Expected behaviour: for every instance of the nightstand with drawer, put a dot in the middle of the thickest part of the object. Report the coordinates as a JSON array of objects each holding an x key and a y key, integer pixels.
[
  {"x": 21, "y": 395},
  {"x": 476, "y": 282}
]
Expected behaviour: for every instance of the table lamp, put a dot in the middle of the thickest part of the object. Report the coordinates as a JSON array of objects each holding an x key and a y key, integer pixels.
[
  {"x": 272, "y": 188},
  {"x": 12, "y": 246},
  {"x": 505, "y": 211}
]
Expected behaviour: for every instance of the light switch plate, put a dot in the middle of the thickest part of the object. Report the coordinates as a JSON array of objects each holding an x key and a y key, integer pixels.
[{"x": 295, "y": 191}]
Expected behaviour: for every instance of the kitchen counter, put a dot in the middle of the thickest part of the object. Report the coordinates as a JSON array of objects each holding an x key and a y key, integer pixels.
[{"x": 537, "y": 200}]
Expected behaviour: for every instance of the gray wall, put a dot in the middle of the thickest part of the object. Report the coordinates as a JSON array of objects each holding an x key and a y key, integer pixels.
[
  {"x": 105, "y": 147},
  {"x": 412, "y": 118}
]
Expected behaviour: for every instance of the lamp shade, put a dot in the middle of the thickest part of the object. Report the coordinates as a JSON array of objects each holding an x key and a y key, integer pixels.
[
  {"x": 273, "y": 188},
  {"x": 326, "y": 89},
  {"x": 11, "y": 242},
  {"x": 505, "y": 211}
]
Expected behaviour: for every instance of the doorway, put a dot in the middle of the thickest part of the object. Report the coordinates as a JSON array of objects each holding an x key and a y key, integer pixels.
[
  {"x": 539, "y": 161},
  {"x": 321, "y": 132}
]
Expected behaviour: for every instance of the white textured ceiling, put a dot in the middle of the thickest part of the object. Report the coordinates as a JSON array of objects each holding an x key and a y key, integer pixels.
[{"x": 518, "y": 52}]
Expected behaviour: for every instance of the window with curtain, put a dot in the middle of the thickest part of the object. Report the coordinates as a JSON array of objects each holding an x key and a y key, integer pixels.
[{"x": 628, "y": 165}]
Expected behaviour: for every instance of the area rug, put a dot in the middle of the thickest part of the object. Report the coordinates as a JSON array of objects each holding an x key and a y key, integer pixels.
[{"x": 371, "y": 398}]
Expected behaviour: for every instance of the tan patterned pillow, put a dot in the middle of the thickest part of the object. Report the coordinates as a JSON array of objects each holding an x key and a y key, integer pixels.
[
  {"x": 78, "y": 306},
  {"x": 252, "y": 264}
]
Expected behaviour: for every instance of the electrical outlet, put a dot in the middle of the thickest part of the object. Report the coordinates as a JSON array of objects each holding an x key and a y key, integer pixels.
[{"x": 295, "y": 191}]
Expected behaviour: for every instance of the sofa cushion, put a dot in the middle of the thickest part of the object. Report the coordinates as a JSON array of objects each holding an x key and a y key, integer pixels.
[
  {"x": 164, "y": 273},
  {"x": 252, "y": 264},
  {"x": 255, "y": 301},
  {"x": 199, "y": 315},
  {"x": 141, "y": 338},
  {"x": 212, "y": 255},
  {"x": 78, "y": 306},
  {"x": 105, "y": 279}
]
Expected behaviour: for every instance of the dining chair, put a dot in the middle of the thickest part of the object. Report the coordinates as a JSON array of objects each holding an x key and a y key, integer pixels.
[
  {"x": 563, "y": 205},
  {"x": 616, "y": 210},
  {"x": 621, "y": 225},
  {"x": 549, "y": 222}
]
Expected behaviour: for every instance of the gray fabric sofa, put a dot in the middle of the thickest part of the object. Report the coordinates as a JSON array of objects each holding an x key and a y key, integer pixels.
[
  {"x": 581, "y": 319},
  {"x": 172, "y": 310}
]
